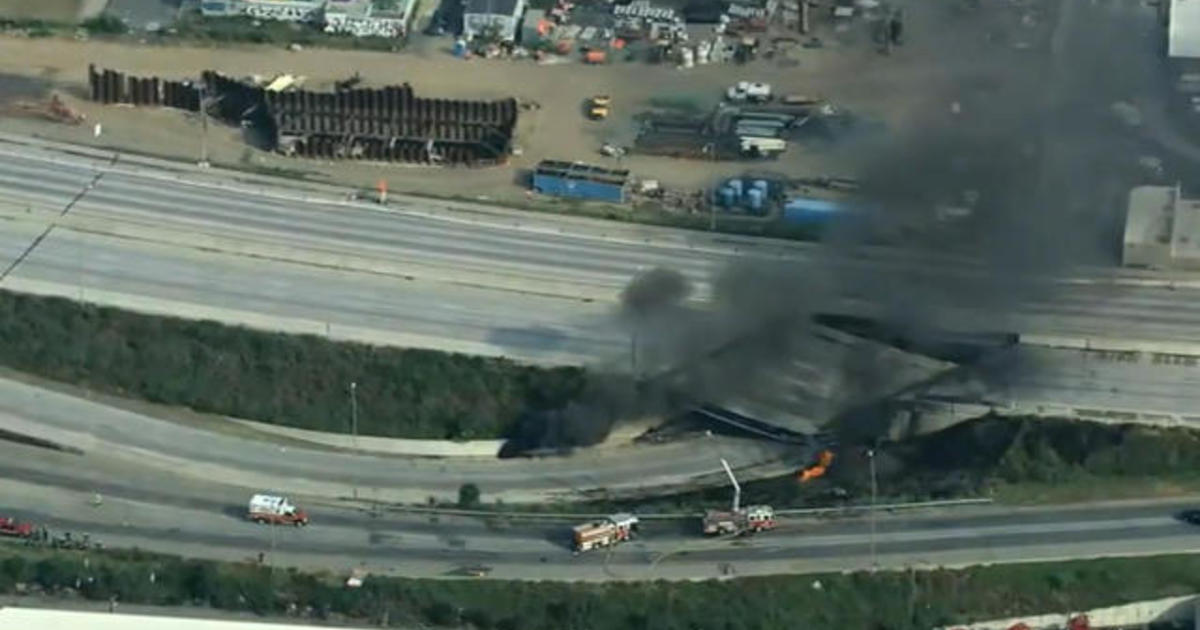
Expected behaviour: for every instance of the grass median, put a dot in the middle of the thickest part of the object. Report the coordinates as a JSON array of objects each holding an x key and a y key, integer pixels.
[
  {"x": 293, "y": 380},
  {"x": 896, "y": 600}
]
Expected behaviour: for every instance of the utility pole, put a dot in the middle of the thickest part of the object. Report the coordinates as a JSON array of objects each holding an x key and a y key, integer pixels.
[
  {"x": 874, "y": 493},
  {"x": 203, "y": 163},
  {"x": 354, "y": 423}
]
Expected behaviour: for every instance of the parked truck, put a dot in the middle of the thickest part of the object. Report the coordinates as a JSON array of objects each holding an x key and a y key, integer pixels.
[
  {"x": 275, "y": 510},
  {"x": 737, "y": 520},
  {"x": 604, "y": 533}
]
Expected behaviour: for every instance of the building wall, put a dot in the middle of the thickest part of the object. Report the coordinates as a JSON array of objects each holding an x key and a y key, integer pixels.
[
  {"x": 475, "y": 24},
  {"x": 368, "y": 26},
  {"x": 286, "y": 10},
  {"x": 1183, "y": 29}
]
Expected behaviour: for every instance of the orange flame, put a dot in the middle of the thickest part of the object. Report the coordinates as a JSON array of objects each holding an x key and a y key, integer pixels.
[{"x": 824, "y": 459}]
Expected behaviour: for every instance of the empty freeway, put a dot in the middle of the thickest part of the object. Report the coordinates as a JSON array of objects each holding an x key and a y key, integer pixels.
[{"x": 455, "y": 276}]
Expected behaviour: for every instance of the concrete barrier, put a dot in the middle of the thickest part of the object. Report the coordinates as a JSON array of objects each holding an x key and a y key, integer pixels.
[
  {"x": 1173, "y": 609},
  {"x": 382, "y": 445},
  {"x": 1114, "y": 344}
]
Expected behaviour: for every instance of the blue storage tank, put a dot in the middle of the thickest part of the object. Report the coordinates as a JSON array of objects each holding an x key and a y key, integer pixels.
[
  {"x": 805, "y": 210},
  {"x": 736, "y": 186},
  {"x": 764, "y": 186},
  {"x": 755, "y": 196},
  {"x": 725, "y": 197},
  {"x": 460, "y": 48}
]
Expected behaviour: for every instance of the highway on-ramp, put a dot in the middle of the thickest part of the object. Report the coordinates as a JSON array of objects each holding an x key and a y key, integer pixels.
[{"x": 169, "y": 239}]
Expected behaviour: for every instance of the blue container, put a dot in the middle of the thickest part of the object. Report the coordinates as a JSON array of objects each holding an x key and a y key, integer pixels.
[
  {"x": 764, "y": 186},
  {"x": 736, "y": 186},
  {"x": 805, "y": 210},
  {"x": 460, "y": 48},
  {"x": 755, "y": 197},
  {"x": 578, "y": 188},
  {"x": 725, "y": 197}
]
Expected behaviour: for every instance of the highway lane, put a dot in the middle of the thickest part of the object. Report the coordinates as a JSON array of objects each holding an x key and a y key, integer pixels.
[
  {"x": 161, "y": 511},
  {"x": 202, "y": 454},
  {"x": 454, "y": 279}
]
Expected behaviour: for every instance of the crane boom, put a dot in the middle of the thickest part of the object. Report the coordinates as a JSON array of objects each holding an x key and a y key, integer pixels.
[{"x": 737, "y": 490}]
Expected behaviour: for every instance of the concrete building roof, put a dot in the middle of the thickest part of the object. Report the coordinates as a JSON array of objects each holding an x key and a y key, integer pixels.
[
  {"x": 1162, "y": 229},
  {"x": 1183, "y": 29},
  {"x": 1150, "y": 217},
  {"x": 1185, "y": 234}
]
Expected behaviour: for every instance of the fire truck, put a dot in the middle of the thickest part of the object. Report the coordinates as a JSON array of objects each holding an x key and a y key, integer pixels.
[
  {"x": 604, "y": 533},
  {"x": 737, "y": 520},
  {"x": 265, "y": 508},
  {"x": 12, "y": 528}
]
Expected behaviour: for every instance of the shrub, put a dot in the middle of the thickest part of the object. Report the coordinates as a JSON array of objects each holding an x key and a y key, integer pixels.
[{"x": 291, "y": 380}]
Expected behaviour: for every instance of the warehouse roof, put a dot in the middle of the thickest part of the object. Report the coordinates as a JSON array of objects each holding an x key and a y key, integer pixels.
[{"x": 1183, "y": 29}]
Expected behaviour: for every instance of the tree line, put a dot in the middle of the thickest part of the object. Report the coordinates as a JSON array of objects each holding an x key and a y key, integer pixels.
[
  {"x": 294, "y": 380},
  {"x": 884, "y": 600}
]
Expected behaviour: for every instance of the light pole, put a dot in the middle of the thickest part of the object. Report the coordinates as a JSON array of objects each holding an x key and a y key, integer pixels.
[
  {"x": 203, "y": 163},
  {"x": 354, "y": 423},
  {"x": 874, "y": 493},
  {"x": 205, "y": 103}
]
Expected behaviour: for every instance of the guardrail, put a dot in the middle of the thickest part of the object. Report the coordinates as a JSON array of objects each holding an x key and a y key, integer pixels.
[{"x": 374, "y": 506}]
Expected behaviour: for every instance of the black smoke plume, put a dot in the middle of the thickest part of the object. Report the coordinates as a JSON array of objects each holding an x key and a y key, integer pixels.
[{"x": 984, "y": 188}]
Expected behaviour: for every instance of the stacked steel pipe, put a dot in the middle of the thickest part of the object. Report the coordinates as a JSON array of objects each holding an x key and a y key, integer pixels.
[
  {"x": 386, "y": 124},
  {"x": 110, "y": 87}
]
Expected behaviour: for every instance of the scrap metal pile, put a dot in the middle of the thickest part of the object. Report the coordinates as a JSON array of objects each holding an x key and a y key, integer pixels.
[
  {"x": 727, "y": 133},
  {"x": 384, "y": 124}
]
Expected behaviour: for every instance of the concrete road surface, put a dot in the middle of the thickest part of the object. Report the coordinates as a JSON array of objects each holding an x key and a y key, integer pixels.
[
  {"x": 442, "y": 275},
  {"x": 190, "y": 452},
  {"x": 161, "y": 511}
]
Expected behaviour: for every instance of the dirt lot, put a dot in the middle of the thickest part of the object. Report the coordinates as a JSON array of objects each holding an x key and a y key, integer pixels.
[
  {"x": 951, "y": 56},
  {"x": 48, "y": 10}
]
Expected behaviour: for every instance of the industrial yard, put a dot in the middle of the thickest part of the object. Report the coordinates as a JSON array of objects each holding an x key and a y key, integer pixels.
[{"x": 652, "y": 100}]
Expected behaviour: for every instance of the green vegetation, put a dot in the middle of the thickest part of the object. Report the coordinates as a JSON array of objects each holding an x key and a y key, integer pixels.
[
  {"x": 882, "y": 601},
  {"x": 468, "y": 496},
  {"x": 294, "y": 380},
  {"x": 105, "y": 24}
]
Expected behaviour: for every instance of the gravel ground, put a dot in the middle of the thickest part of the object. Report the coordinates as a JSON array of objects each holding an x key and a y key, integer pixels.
[{"x": 949, "y": 58}]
